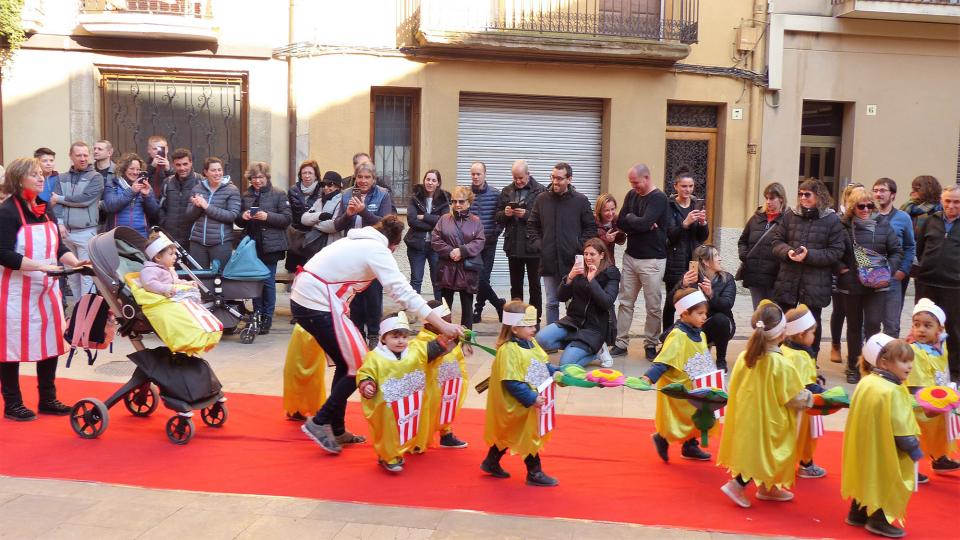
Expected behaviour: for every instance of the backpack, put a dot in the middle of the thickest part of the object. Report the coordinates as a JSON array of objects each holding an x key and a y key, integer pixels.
[{"x": 92, "y": 326}]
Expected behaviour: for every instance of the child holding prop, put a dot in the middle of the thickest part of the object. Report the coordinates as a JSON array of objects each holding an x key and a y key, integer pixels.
[
  {"x": 446, "y": 387},
  {"x": 930, "y": 369},
  {"x": 391, "y": 383},
  {"x": 797, "y": 348},
  {"x": 760, "y": 438},
  {"x": 683, "y": 358},
  {"x": 520, "y": 413},
  {"x": 880, "y": 444}
]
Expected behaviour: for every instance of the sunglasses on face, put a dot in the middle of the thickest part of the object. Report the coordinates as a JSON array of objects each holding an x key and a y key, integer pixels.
[
  {"x": 328, "y": 184},
  {"x": 865, "y": 206},
  {"x": 459, "y": 201},
  {"x": 805, "y": 194}
]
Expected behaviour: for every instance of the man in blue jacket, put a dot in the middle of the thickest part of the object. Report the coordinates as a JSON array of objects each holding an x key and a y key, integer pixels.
[
  {"x": 884, "y": 192},
  {"x": 486, "y": 198}
]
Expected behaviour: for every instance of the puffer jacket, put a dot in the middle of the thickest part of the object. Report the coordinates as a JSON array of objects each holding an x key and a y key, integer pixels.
[
  {"x": 418, "y": 235},
  {"x": 174, "y": 198},
  {"x": 939, "y": 253},
  {"x": 590, "y": 313},
  {"x": 300, "y": 202},
  {"x": 379, "y": 204},
  {"x": 270, "y": 235},
  {"x": 484, "y": 206},
  {"x": 759, "y": 266},
  {"x": 681, "y": 242},
  {"x": 81, "y": 192},
  {"x": 123, "y": 206},
  {"x": 808, "y": 282},
  {"x": 213, "y": 226},
  {"x": 557, "y": 227},
  {"x": 515, "y": 243},
  {"x": 320, "y": 217},
  {"x": 445, "y": 238},
  {"x": 882, "y": 239}
]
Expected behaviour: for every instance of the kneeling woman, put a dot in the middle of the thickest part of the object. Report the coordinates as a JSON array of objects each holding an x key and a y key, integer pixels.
[{"x": 591, "y": 288}]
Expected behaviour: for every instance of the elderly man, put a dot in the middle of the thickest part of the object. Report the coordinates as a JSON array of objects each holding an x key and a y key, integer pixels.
[
  {"x": 560, "y": 222},
  {"x": 484, "y": 206},
  {"x": 938, "y": 248},
  {"x": 79, "y": 193},
  {"x": 516, "y": 201},
  {"x": 644, "y": 217}
]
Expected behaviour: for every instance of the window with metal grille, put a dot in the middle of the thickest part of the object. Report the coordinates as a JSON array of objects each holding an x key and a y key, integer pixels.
[
  {"x": 203, "y": 113},
  {"x": 395, "y": 134}
]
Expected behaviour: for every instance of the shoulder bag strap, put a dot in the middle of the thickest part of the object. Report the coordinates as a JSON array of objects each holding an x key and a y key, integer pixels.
[{"x": 762, "y": 236}]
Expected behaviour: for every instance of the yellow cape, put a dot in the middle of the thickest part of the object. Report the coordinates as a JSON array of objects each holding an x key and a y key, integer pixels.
[
  {"x": 448, "y": 365},
  {"x": 687, "y": 359},
  {"x": 807, "y": 367},
  {"x": 760, "y": 432},
  {"x": 931, "y": 370},
  {"x": 303, "y": 374},
  {"x": 875, "y": 473},
  {"x": 509, "y": 424},
  {"x": 396, "y": 379}
]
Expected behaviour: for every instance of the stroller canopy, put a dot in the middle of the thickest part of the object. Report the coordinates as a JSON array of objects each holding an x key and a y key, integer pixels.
[{"x": 115, "y": 253}]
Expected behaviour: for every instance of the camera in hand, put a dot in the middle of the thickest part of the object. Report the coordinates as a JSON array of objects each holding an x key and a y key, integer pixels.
[{"x": 142, "y": 179}]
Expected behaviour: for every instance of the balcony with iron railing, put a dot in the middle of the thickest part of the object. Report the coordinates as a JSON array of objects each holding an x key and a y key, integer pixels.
[
  {"x": 934, "y": 11},
  {"x": 598, "y": 31},
  {"x": 189, "y": 20}
]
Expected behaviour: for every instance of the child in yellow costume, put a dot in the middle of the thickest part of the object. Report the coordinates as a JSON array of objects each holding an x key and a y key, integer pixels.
[
  {"x": 446, "y": 388},
  {"x": 880, "y": 443},
  {"x": 760, "y": 435},
  {"x": 303, "y": 376},
  {"x": 684, "y": 357},
  {"x": 392, "y": 382},
  {"x": 519, "y": 410},
  {"x": 930, "y": 369},
  {"x": 797, "y": 348}
]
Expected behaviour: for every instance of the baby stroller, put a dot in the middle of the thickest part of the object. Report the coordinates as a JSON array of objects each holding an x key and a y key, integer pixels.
[{"x": 186, "y": 383}]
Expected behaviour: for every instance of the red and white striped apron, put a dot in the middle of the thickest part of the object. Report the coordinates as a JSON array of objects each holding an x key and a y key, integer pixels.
[
  {"x": 349, "y": 339},
  {"x": 32, "y": 324}
]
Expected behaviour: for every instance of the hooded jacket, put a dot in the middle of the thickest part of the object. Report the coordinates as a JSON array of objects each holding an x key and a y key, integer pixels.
[
  {"x": 557, "y": 227},
  {"x": 681, "y": 242},
  {"x": 213, "y": 226},
  {"x": 809, "y": 282},
  {"x": 270, "y": 235},
  {"x": 515, "y": 243}
]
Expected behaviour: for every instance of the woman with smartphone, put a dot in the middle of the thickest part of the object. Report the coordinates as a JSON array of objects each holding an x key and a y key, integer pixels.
[
  {"x": 687, "y": 230},
  {"x": 128, "y": 199},
  {"x": 428, "y": 204}
]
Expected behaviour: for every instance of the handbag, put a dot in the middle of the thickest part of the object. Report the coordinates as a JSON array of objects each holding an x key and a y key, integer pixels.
[
  {"x": 295, "y": 240},
  {"x": 474, "y": 263},
  {"x": 873, "y": 269}
]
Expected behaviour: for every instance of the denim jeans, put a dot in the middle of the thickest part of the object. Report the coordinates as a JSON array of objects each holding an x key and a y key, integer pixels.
[
  {"x": 332, "y": 412},
  {"x": 891, "y": 315},
  {"x": 554, "y": 336},
  {"x": 551, "y": 284},
  {"x": 485, "y": 292},
  {"x": 366, "y": 308},
  {"x": 418, "y": 259},
  {"x": 77, "y": 241},
  {"x": 268, "y": 298},
  {"x": 864, "y": 315},
  {"x": 760, "y": 293}
]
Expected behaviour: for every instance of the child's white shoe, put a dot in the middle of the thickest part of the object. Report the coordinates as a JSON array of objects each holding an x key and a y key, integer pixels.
[
  {"x": 775, "y": 494},
  {"x": 735, "y": 491}
]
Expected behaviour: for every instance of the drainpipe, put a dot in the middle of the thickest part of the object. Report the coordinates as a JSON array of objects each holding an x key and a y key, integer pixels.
[
  {"x": 755, "y": 127},
  {"x": 291, "y": 107}
]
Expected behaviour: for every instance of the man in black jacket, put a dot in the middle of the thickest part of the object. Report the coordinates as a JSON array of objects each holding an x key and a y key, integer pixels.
[
  {"x": 938, "y": 249},
  {"x": 516, "y": 200},
  {"x": 645, "y": 218},
  {"x": 175, "y": 192},
  {"x": 560, "y": 222}
]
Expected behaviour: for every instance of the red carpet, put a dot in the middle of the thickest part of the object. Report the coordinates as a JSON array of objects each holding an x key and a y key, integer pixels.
[{"x": 607, "y": 469}]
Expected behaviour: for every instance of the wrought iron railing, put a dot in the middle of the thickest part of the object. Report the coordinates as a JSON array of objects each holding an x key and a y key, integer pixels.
[
  {"x": 199, "y": 9},
  {"x": 666, "y": 20}
]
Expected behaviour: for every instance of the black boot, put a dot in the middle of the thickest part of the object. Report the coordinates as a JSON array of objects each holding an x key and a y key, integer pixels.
[
  {"x": 535, "y": 475},
  {"x": 19, "y": 413},
  {"x": 53, "y": 407},
  {"x": 691, "y": 450},
  {"x": 857, "y": 516},
  {"x": 498, "y": 305},
  {"x": 877, "y": 524},
  {"x": 265, "y": 324},
  {"x": 491, "y": 464},
  {"x": 662, "y": 445}
]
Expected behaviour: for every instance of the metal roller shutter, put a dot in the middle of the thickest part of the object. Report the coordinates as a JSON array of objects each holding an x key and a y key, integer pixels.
[{"x": 500, "y": 129}]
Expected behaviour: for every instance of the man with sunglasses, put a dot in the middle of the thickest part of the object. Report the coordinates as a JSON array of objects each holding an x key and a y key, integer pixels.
[{"x": 884, "y": 192}]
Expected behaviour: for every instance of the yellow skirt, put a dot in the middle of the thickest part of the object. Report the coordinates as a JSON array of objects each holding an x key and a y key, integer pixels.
[{"x": 303, "y": 374}]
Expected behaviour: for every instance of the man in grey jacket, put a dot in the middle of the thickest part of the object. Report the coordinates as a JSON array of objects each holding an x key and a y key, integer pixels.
[{"x": 79, "y": 193}]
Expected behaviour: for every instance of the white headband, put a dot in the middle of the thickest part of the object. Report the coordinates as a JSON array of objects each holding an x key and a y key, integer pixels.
[
  {"x": 442, "y": 310},
  {"x": 801, "y": 325},
  {"x": 927, "y": 305},
  {"x": 775, "y": 331},
  {"x": 689, "y": 301},
  {"x": 873, "y": 346},
  {"x": 527, "y": 318},
  {"x": 158, "y": 245},
  {"x": 399, "y": 322}
]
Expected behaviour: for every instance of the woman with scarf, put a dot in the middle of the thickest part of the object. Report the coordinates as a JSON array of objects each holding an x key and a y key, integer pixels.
[
  {"x": 320, "y": 216},
  {"x": 758, "y": 266},
  {"x": 32, "y": 322},
  {"x": 301, "y": 195},
  {"x": 864, "y": 306},
  {"x": 265, "y": 217}
]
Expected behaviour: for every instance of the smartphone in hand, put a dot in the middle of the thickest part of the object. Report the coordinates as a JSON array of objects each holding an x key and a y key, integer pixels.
[
  {"x": 698, "y": 204},
  {"x": 356, "y": 193}
]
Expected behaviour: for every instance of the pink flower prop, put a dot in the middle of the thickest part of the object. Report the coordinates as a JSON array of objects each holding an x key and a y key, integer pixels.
[{"x": 609, "y": 378}]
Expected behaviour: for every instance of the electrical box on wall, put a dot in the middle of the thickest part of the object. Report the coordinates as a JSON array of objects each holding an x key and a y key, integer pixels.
[
  {"x": 747, "y": 37},
  {"x": 736, "y": 113}
]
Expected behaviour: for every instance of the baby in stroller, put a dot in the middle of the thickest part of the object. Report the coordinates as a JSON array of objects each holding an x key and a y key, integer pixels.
[{"x": 159, "y": 276}]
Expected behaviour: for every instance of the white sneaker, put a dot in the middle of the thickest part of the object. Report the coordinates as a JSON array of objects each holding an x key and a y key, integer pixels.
[
  {"x": 734, "y": 490},
  {"x": 776, "y": 494},
  {"x": 606, "y": 363}
]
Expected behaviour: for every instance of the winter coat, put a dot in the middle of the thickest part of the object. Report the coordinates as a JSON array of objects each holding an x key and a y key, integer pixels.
[
  {"x": 590, "y": 312},
  {"x": 557, "y": 227},
  {"x": 939, "y": 253},
  {"x": 445, "y": 238},
  {"x": 301, "y": 202},
  {"x": 882, "y": 239},
  {"x": 270, "y": 235},
  {"x": 124, "y": 206},
  {"x": 759, "y": 266},
  {"x": 515, "y": 243},
  {"x": 418, "y": 236},
  {"x": 681, "y": 242},
  {"x": 174, "y": 197},
  {"x": 484, "y": 206},
  {"x": 320, "y": 217},
  {"x": 81, "y": 192},
  {"x": 808, "y": 282},
  {"x": 378, "y": 203},
  {"x": 213, "y": 226}
]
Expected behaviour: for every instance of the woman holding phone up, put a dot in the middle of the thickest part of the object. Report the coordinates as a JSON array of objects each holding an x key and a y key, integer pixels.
[
  {"x": 687, "y": 230},
  {"x": 128, "y": 198}
]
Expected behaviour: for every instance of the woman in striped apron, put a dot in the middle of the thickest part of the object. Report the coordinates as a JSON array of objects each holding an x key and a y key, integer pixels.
[{"x": 32, "y": 324}]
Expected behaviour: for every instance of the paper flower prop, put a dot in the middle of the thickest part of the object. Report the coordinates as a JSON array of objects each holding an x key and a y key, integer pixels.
[
  {"x": 829, "y": 402},
  {"x": 937, "y": 399},
  {"x": 573, "y": 375},
  {"x": 609, "y": 378},
  {"x": 706, "y": 400}
]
